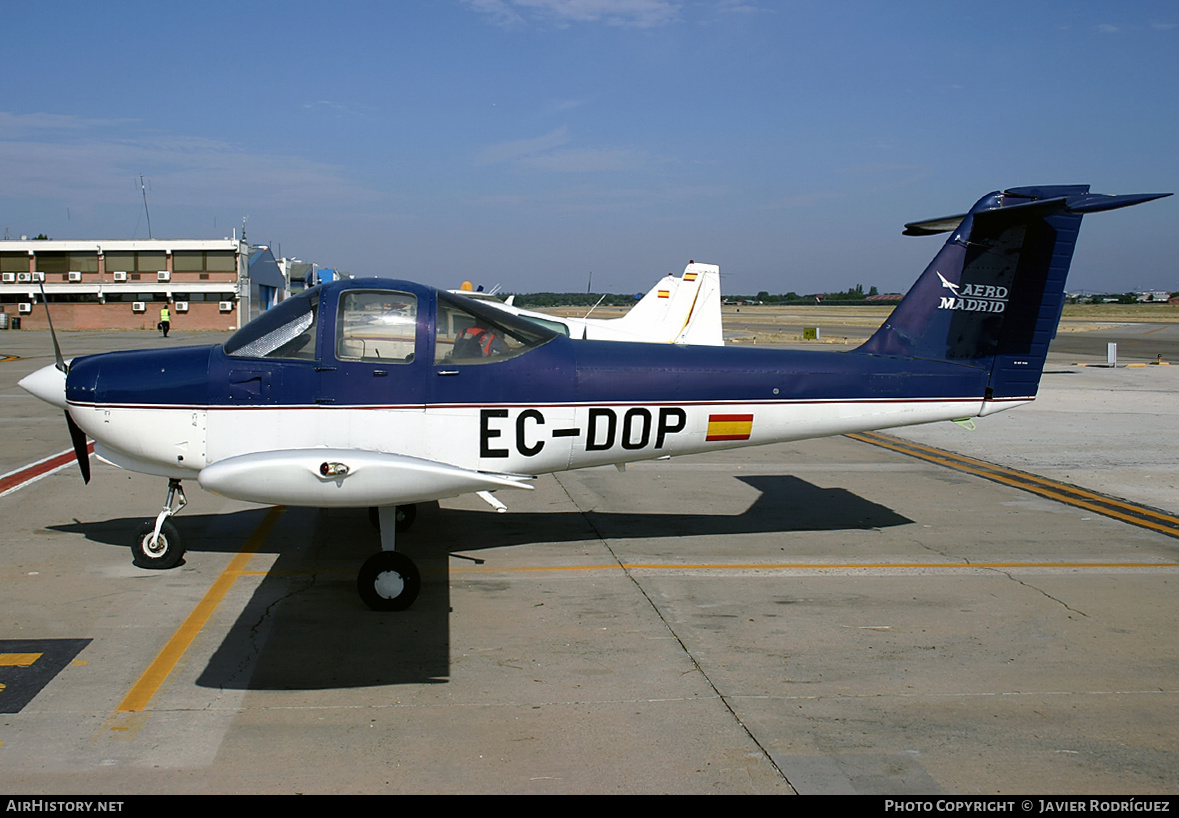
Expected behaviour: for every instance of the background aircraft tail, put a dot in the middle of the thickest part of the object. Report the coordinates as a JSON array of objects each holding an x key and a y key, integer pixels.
[
  {"x": 685, "y": 309},
  {"x": 992, "y": 297}
]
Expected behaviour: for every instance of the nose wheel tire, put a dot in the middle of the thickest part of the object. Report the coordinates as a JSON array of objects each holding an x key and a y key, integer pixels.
[
  {"x": 166, "y": 552},
  {"x": 388, "y": 581}
]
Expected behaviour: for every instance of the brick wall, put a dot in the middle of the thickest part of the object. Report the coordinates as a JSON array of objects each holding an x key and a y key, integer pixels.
[{"x": 201, "y": 315}]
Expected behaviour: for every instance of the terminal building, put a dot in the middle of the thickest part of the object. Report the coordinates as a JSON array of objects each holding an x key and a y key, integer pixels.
[{"x": 93, "y": 285}]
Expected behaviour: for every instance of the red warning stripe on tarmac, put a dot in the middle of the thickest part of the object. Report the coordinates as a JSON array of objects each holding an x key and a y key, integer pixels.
[{"x": 22, "y": 477}]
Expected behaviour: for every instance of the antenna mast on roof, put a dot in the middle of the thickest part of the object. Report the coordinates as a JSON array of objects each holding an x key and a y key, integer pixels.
[{"x": 143, "y": 190}]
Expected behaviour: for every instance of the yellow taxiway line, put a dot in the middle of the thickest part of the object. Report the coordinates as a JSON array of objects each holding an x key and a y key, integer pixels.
[
  {"x": 1103, "y": 504},
  {"x": 159, "y": 670}
]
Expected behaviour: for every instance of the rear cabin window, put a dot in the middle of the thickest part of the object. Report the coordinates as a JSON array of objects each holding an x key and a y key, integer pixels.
[{"x": 467, "y": 332}]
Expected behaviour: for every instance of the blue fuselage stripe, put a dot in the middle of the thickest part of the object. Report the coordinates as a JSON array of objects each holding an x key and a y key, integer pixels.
[{"x": 560, "y": 372}]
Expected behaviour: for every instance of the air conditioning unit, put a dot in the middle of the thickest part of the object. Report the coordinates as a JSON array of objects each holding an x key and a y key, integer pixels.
[
  {"x": 38, "y": 276},
  {"x": 138, "y": 306},
  {"x": 225, "y": 306},
  {"x": 75, "y": 276},
  {"x": 120, "y": 275},
  {"x": 163, "y": 275},
  {"x": 24, "y": 278},
  {"x": 24, "y": 309},
  {"x": 8, "y": 278},
  {"x": 181, "y": 306}
]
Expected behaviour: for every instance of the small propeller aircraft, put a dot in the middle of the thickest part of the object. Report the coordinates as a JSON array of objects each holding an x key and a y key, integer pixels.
[
  {"x": 683, "y": 309},
  {"x": 382, "y": 393}
]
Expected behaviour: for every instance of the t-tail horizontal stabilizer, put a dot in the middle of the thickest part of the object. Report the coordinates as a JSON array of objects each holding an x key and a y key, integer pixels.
[{"x": 992, "y": 297}]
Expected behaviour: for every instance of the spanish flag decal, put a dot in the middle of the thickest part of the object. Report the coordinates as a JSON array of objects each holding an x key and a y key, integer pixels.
[
  {"x": 729, "y": 427},
  {"x": 689, "y": 276},
  {"x": 665, "y": 293}
]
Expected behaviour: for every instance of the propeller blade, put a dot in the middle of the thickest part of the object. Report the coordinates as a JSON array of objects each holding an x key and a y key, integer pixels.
[
  {"x": 78, "y": 438},
  {"x": 61, "y": 364}
]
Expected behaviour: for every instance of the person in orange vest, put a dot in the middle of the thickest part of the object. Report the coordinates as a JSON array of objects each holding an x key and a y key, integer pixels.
[{"x": 478, "y": 341}]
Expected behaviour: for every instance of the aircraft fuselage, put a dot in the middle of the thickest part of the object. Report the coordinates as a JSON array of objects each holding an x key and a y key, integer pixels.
[{"x": 562, "y": 404}]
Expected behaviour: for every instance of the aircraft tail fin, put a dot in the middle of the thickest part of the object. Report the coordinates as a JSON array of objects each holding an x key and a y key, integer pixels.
[
  {"x": 686, "y": 309},
  {"x": 992, "y": 297}
]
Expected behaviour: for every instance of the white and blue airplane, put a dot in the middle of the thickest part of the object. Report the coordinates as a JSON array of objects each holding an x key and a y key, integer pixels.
[{"x": 383, "y": 393}]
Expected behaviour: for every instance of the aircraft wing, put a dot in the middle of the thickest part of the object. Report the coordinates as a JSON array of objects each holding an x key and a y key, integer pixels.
[{"x": 345, "y": 478}]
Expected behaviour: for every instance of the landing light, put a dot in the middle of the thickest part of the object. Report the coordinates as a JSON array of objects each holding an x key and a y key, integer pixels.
[{"x": 333, "y": 469}]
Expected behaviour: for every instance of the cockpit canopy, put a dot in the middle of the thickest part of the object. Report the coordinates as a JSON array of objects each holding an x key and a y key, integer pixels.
[{"x": 382, "y": 324}]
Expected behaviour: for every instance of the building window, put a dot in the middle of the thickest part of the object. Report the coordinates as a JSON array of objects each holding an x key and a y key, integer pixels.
[
  {"x": 84, "y": 262},
  {"x": 127, "y": 262},
  {"x": 199, "y": 261},
  {"x": 52, "y": 262},
  {"x": 72, "y": 298},
  {"x": 14, "y": 262}
]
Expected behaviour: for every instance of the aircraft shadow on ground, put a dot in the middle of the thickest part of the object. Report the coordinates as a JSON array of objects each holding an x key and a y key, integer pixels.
[
  {"x": 305, "y": 628},
  {"x": 786, "y": 504}
]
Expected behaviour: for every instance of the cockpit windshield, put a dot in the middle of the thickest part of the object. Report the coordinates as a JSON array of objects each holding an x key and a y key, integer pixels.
[{"x": 285, "y": 331}]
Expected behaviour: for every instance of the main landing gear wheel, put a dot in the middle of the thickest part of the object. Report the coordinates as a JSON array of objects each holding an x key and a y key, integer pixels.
[
  {"x": 405, "y": 516},
  {"x": 167, "y": 552},
  {"x": 388, "y": 581}
]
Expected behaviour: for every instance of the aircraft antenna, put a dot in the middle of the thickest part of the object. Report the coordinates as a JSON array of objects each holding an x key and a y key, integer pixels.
[{"x": 595, "y": 306}]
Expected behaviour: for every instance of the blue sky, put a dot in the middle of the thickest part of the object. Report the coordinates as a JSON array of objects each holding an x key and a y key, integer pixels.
[{"x": 530, "y": 143}]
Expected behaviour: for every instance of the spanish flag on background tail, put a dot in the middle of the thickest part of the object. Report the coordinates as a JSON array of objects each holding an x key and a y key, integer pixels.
[{"x": 729, "y": 427}]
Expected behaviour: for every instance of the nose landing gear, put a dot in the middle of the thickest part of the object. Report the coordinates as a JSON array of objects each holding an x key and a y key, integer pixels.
[{"x": 158, "y": 544}]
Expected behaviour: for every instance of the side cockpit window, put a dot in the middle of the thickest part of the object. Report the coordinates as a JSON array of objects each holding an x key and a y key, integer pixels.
[
  {"x": 467, "y": 332},
  {"x": 377, "y": 325},
  {"x": 285, "y": 331}
]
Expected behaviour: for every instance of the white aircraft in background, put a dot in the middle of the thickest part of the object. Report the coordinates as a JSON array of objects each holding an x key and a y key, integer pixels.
[{"x": 683, "y": 309}]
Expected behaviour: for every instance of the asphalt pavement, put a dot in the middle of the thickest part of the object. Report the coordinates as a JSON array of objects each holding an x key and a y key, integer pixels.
[{"x": 819, "y": 617}]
